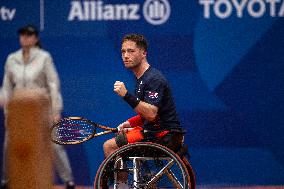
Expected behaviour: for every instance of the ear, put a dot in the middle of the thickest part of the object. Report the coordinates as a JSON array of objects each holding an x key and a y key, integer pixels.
[
  {"x": 36, "y": 38},
  {"x": 144, "y": 53}
]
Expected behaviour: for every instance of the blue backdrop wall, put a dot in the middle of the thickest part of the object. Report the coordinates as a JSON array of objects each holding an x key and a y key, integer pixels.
[{"x": 223, "y": 58}]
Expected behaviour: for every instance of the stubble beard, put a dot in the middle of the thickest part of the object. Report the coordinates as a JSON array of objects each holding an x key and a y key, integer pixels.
[{"x": 132, "y": 66}]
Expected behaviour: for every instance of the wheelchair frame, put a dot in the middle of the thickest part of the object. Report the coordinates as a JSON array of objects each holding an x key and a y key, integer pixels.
[{"x": 137, "y": 157}]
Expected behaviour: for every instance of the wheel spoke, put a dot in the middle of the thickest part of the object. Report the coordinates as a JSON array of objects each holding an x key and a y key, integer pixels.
[
  {"x": 174, "y": 179},
  {"x": 160, "y": 173}
]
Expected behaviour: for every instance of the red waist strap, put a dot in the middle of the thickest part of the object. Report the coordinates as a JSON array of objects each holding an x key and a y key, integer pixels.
[{"x": 135, "y": 121}]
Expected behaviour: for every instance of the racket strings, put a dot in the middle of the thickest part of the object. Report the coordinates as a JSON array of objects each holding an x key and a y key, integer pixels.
[{"x": 70, "y": 131}]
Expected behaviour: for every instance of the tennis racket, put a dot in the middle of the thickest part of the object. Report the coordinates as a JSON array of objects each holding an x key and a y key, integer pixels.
[{"x": 76, "y": 130}]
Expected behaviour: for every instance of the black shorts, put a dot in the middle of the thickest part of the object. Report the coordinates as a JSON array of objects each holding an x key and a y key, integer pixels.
[{"x": 131, "y": 136}]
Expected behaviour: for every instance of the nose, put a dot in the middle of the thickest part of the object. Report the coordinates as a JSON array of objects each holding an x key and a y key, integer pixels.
[{"x": 126, "y": 55}]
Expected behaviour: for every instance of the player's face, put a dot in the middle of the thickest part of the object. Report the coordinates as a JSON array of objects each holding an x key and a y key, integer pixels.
[
  {"x": 28, "y": 40},
  {"x": 132, "y": 55}
]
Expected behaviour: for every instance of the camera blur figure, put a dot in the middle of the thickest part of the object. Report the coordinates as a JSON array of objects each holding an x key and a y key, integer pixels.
[{"x": 31, "y": 67}]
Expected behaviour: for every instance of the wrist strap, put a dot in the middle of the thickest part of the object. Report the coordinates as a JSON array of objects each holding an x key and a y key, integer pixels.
[{"x": 132, "y": 100}]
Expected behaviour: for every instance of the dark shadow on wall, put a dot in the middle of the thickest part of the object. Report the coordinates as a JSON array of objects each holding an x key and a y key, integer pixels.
[{"x": 255, "y": 90}]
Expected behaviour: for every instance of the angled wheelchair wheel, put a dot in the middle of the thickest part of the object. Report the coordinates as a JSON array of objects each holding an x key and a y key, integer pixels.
[
  {"x": 143, "y": 166},
  {"x": 190, "y": 172}
]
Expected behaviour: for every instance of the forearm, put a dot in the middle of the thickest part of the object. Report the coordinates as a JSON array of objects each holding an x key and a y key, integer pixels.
[
  {"x": 56, "y": 102},
  {"x": 146, "y": 110}
]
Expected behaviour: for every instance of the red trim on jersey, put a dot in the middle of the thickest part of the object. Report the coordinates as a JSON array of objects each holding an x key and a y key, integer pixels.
[
  {"x": 162, "y": 134},
  {"x": 136, "y": 121}
]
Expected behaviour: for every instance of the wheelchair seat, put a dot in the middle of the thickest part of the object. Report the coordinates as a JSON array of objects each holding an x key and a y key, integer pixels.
[{"x": 173, "y": 140}]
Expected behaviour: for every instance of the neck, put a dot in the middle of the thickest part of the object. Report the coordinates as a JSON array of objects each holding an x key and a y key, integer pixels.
[
  {"x": 26, "y": 54},
  {"x": 26, "y": 50},
  {"x": 139, "y": 71}
]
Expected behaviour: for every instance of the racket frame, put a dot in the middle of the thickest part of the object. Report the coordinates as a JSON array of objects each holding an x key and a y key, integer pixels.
[{"x": 107, "y": 129}]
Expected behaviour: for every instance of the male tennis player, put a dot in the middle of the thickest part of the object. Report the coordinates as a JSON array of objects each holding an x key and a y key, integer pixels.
[{"x": 152, "y": 99}]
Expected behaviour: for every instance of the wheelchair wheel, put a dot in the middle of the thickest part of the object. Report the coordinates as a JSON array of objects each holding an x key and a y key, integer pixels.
[
  {"x": 190, "y": 172},
  {"x": 144, "y": 166}
]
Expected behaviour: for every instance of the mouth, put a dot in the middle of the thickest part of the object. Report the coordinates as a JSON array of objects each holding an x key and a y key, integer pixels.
[{"x": 127, "y": 62}]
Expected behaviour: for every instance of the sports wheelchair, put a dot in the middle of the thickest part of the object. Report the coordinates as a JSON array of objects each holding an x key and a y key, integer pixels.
[{"x": 161, "y": 163}]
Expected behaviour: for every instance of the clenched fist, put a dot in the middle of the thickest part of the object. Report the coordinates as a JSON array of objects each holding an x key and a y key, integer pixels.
[{"x": 119, "y": 88}]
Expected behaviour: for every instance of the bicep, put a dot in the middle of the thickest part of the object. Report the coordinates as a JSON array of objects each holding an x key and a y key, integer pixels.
[{"x": 51, "y": 74}]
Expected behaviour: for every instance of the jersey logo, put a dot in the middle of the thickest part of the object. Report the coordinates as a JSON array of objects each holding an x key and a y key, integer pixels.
[
  {"x": 139, "y": 86},
  {"x": 153, "y": 94}
]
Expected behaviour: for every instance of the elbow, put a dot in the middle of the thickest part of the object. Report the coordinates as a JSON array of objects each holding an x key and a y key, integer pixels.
[
  {"x": 147, "y": 111},
  {"x": 151, "y": 116}
]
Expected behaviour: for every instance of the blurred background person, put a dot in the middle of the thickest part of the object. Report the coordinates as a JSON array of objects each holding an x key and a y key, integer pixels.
[{"x": 32, "y": 68}]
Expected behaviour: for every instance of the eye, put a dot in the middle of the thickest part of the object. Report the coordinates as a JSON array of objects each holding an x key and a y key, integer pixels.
[{"x": 130, "y": 50}]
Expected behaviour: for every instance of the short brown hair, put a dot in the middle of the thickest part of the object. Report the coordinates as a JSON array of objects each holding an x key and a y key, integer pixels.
[{"x": 140, "y": 40}]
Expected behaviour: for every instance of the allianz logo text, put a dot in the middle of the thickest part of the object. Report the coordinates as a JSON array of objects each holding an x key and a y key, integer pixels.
[
  {"x": 254, "y": 8},
  {"x": 155, "y": 12},
  {"x": 7, "y": 14}
]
